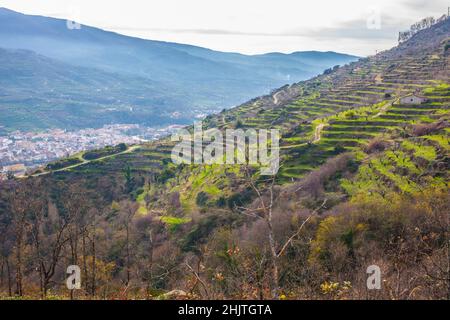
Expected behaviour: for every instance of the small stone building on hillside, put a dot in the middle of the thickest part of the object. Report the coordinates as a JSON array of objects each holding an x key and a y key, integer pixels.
[{"x": 413, "y": 99}]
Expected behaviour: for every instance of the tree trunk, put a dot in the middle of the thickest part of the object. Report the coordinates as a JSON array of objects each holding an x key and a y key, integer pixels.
[
  {"x": 2, "y": 273},
  {"x": 8, "y": 271},
  {"x": 274, "y": 258},
  {"x": 85, "y": 272},
  {"x": 41, "y": 280},
  {"x": 128, "y": 252},
  {"x": 19, "y": 276},
  {"x": 150, "y": 265},
  {"x": 259, "y": 284},
  {"x": 448, "y": 269},
  {"x": 46, "y": 285},
  {"x": 74, "y": 251},
  {"x": 93, "y": 289}
]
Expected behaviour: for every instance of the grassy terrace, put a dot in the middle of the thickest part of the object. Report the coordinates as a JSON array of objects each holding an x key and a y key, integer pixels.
[
  {"x": 353, "y": 129},
  {"x": 328, "y": 115},
  {"x": 402, "y": 168},
  {"x": 325, "y": 117},
  {"x": 141, "y": 159}
]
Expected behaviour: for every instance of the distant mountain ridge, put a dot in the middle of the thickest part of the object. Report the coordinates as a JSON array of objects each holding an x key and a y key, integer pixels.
[
  {"x": 40, "y": 92},
  {"x": 157, "y": 77}
]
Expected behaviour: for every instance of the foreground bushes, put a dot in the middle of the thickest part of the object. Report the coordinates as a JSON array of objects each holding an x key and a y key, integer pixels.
[
  {"x": 406, "y": 237},
  {"x": 225, "y": 254}
]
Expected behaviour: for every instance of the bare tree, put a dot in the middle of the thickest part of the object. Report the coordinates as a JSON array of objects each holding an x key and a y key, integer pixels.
[
  {"x": 265, "y": 210},
  {"x": 6, "y": 238},
  {"x": 147, "y": 229},
  {"x": 19, "y": 209},
  {"x": 49, "y": 235},
  {"x": 128, "y": 210}
]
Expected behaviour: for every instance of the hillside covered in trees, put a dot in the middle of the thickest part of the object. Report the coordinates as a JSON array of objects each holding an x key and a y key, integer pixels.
[{"x": 364, "y": 180}]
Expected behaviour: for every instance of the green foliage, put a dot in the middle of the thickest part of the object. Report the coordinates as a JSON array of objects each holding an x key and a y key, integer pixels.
[
  {"x": 166, "y": 174},
  {"x": 199, "y": 233},
  {"x": 107, "y": 151},
  {"x": 381, "y": 225},
  {"x": 202, "y": 199},
  {"x": 174, "y": 223},
  {"x": 422, "y": 151},
  {"x": 221, "y": 202},
  {"x": 240, "y": 198},
  {"x": 62, "y": 163},
  {"x": 129, "y": 179}
]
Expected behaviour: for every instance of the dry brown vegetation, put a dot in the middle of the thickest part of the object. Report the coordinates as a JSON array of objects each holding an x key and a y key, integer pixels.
[
  {"x": 376, "y": 145},
  {"x": 426, "y": 129}
]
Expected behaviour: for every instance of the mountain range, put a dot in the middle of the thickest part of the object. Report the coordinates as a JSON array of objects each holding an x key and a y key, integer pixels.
[{"x": 55, "y": 76}]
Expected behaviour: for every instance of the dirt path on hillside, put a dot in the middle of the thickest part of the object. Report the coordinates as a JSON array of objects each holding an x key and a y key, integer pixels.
[
  {"x": 85, "y": 162},
  {"x": 318, "y": 133},
  {"x": 379, "y": 78},
  {"x": 384, "y": 109},
  {"x": 275, "y": 97},
  {"x": 317, "y": 137}
]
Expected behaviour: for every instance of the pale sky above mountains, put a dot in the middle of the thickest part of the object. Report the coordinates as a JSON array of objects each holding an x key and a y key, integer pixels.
[{"x": 248, "y": 26}]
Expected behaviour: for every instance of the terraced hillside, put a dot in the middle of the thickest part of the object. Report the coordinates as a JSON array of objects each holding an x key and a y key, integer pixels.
[
  {"x": 364, "y": 179},
  {"x": 338, "y": 111}
]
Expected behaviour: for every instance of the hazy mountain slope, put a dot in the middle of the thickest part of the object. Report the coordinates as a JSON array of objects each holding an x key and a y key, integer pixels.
[
  {"x": 39, "y": 92},
  {"x": 205, "y": 79},
  {"x": 52, "y": 38}
]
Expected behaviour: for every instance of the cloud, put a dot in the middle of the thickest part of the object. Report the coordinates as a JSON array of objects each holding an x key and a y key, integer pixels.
[
  {"x": 354, "y": 29},
  {"x": 193, "y": 31},
  {"x": 250, "y": 26},
  {"x": 420, "y": 4}
]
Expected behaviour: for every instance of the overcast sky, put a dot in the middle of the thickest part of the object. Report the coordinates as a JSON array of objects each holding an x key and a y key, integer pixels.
[{"x": 248, "y": 26}]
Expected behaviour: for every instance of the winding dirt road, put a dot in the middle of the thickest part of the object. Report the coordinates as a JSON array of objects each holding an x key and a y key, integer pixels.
[
  {"x": 275, "y": 97},
  {"x": 130, "y": 149},
  {"x": 318, "y": 132}
]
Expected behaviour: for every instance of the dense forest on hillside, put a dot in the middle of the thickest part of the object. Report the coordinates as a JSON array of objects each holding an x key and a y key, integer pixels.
[{"x": 364, "y": 181}]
